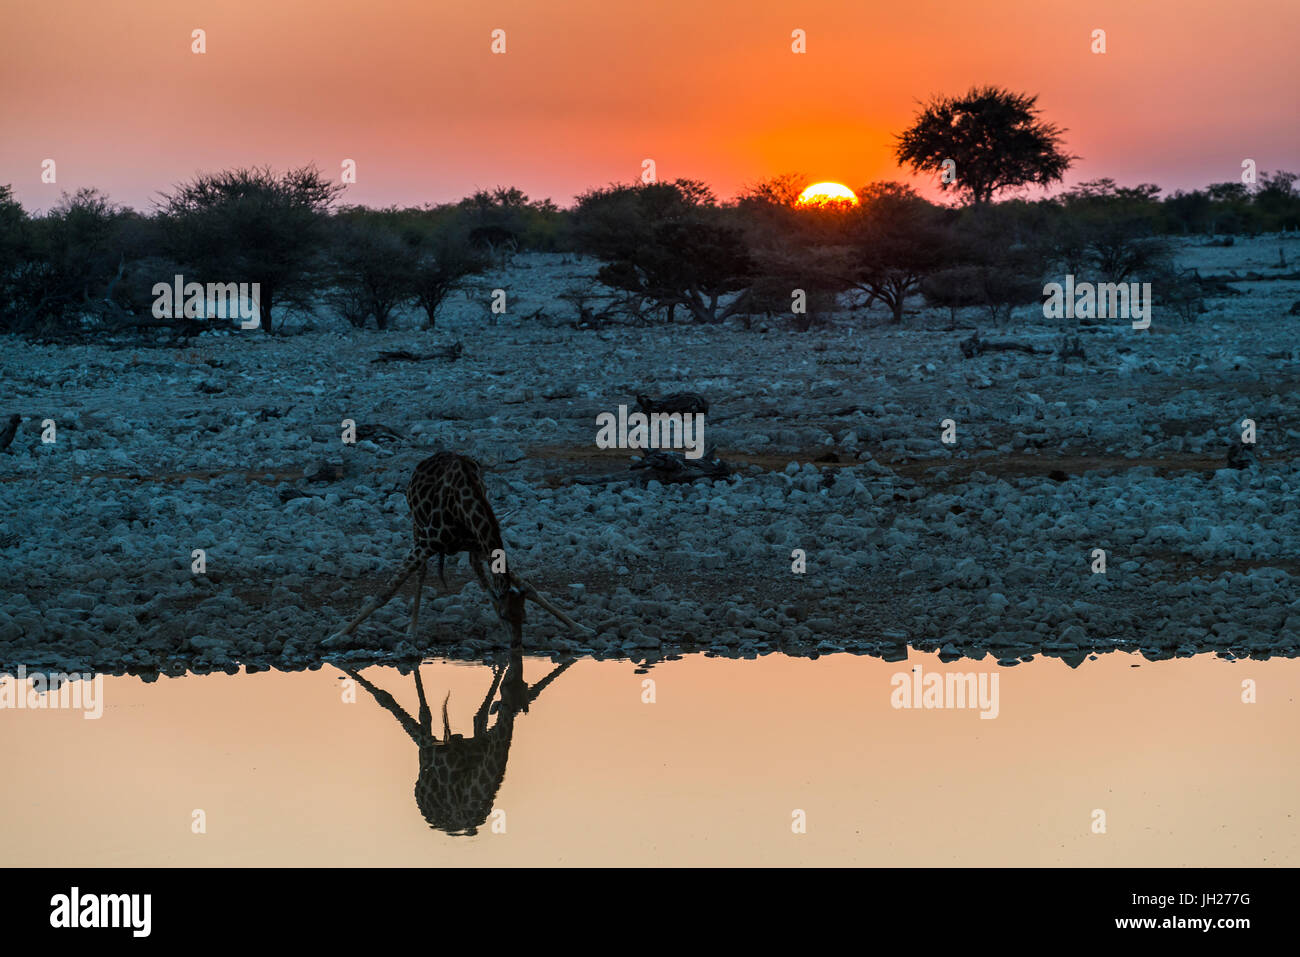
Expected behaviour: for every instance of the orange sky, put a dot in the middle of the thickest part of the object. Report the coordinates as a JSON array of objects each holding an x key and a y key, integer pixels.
[{"x": 589, "y": 88}]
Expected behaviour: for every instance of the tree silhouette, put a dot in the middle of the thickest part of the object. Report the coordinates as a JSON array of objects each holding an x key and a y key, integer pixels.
[
  {"x": 896, "y": 241},
  {"x": 1110, "y": 230},
  {"x": 72, "y": 255},
  {"x": 993, "y": 136},
  {"x": 444, "y": 260},
  {"x": 781, "y": 190},
  {"x": 370, "y": 264},
  {"x": 15, "y": 242},
  {"x": 251, "y": 225},
  {"x": 665, "y": 244}
]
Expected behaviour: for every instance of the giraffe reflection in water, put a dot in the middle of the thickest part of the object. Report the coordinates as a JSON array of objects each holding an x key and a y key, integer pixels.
[{"x": 459, "y": 776}]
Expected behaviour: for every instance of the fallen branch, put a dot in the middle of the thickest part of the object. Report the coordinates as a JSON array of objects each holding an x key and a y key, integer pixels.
[
  {"x": 975, "y": 346},
  {"x": 602, "y": 479},
  {"x": 674, "y": 467},
  {"x": 666, "y": 467},
  {"x": 451, "y": 353}
]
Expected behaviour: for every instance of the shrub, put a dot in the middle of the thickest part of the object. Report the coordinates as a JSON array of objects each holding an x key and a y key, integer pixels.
[
  {"x": 69, "y": 260},
  {"x": 1006, "y": 254},
  {"x": 252, "y": 225},
  {"x": 371, "y": 266},
  {"x": 667, "y": 245},
  {"x": 895, "y": 240},
  {"x": 444, "y": 259},
  {"x": 954, "y": 288}
]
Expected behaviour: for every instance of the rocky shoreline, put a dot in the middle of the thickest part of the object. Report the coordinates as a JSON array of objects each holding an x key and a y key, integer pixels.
[{"x": 980, "y": 548}]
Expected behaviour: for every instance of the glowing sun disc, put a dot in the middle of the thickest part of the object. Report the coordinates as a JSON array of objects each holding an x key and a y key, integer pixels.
[{"x": 820, "y": 194}]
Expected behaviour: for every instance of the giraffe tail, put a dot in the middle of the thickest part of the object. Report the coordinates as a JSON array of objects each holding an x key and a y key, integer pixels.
[{"x": 446, "y": 724}]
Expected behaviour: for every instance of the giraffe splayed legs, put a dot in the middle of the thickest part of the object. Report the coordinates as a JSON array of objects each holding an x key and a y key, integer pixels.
[
  {"x": 450, "y": 514},
  {"x": 459, "y": 776}
]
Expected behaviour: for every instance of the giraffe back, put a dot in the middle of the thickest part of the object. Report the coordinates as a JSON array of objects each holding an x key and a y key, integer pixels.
[
  {"x": 449, "y": 507},
  {"x": 459, "y": 778}
]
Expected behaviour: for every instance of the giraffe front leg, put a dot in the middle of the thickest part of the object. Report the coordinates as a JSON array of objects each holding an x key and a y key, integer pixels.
[
  {"x": 481, "y": 716},
  {"x": 477, "y": 565},
  {"x": 513, "y": 628},
  {"x": 374, "y": 604},
  {"x": 426, "y": 718},
  {"x": 415, "y": 606}
]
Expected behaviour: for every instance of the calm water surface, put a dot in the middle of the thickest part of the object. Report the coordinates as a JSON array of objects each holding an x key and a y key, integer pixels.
[{"x": 316, "y": 768}]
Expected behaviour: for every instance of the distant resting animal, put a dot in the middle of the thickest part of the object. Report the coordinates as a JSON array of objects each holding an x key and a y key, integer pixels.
[{"x": 686, "y": 402}]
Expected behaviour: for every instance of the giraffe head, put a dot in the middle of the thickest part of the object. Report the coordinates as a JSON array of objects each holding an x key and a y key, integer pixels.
[{"x": 508, "y": 600}]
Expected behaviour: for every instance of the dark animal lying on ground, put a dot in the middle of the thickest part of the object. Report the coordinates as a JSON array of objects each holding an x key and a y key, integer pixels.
[
  {"x": 676, "y": 402},
  {"x": 326, "y": 471},
  {"x": 666, "y": 467},
  {"x": 377, "y": 433}
]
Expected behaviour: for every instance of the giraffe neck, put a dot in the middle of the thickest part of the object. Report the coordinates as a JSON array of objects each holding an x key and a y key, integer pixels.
[{"x": 487, "y": 531}]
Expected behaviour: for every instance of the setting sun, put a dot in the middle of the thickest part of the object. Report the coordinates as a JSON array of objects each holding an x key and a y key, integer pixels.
[{"x": 824, "y": 194}]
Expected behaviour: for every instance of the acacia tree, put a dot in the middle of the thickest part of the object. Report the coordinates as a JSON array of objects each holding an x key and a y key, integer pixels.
[
  {"x": 690, "y": 263},
  {"x": 613, "y": 222},
  {"x": 1277, "y": 200},
  {"x": 370, "y": 265},
  {"x": 444, "y": 259},
  {"x": 15, "y": 242},
  {"x": 252, "y": 225},
  {"x": 504, "y": 221},
  {"x": 799, "y": 253},
  {"x": 895, "y": 241},
  {"x": 994, "y": 137},
  {"x": 694, "y": 264}
]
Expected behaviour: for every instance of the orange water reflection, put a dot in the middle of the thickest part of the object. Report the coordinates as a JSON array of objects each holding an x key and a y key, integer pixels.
[{"x": 307, "y": 768}]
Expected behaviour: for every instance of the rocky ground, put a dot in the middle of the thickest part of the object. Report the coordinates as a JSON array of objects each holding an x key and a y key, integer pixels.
[{"x": 984, "y": 547}]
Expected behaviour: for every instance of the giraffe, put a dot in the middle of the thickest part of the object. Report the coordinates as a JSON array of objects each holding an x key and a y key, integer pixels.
[
  {"x": 459, "y": 777},
  {"x": 450, "y": 514}
]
